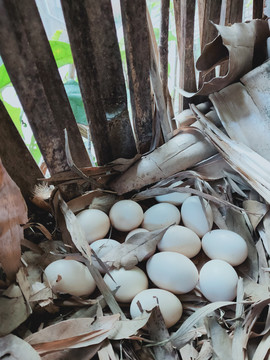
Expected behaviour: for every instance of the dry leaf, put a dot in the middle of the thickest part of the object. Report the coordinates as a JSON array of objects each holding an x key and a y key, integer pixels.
[
  {"x": 106, "y": 351},
  {"x": 188, "y": 352},
  {"x": 158, "y": 332},
  {"x": 237, "y": 42},
  {"x": 13, "y": 348},
  {"x": 96, "y": 199},
  {"x": 263, "y": 349},
  {"x": 134, "y": 250},
  {"x": 250, "y": 165},
  {"x": 206, "y": 351},
  {"x": 220, "y": 340},
  {"x": 13, "y": 310},
  {"x": 123, "y": 329},
  {"x": 72, "y": 333},
  {"x": 85, "y": 353},
  {"x": 13, "y": 213},
  {"x": 179, "y": 153}
]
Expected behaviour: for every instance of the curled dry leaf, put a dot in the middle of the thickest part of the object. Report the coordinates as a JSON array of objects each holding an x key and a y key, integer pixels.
[
  {"x": 250, "y": 165},
  {"x": 179, "y": 153},
  {"x": 256, "y": 211},
  {"x": 237, "y": 43},
  {"x": 73, "y": 333},
  {"x": 134, "y": 250},
  {"x": 12, "y": 348},
  {"x": 13, "y": 310},
  {"x": 13, "y": 213}
]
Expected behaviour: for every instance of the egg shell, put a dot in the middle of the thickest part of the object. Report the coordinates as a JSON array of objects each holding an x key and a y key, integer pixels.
[
  {"x": 161, "y": 215},
  {"x": 131, "y": 282},
  {"x": 225, "y": 245},
  {"x": 194, "y": 217},
  {"x": 174, "y": 198},
  {"x": 172, "y": 271},
  {"x": 126, "y": 215},
  {"x": 102, "y": 247},
  {"x": 182, "y": 240},
  {"x": 70, "y": 277},
  {"x": 218, "y": 281},
  {"x": 135, "y": 231},
  {"x": 94, "y": 223},
  {"x": 170, "y": 306}
]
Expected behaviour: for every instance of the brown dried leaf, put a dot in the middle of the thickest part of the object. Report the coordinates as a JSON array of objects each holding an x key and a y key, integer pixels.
[
  {"x": 238, "y": 42},
  {"x": 96, "y": 199},
  {"x": 134, "y": 250},
  {"x": 13, "y": 348},
  {"x": 13, "y": 310},
  {"x": 220, "y": 340},
  {"x": 263, "y": 349},
  {"x": 250, "y": 165},
  {"x": 72, "y": 333},
  {"x": 122, "y": 164},
  {"x": 106, "y": 351},
  {"x": 86, "y": 353},
  {"x": 123, "y": 329},
  {"x": 255, "y": 211},
  {"x": 13, "y": 213},
  {"x": 188, "y": 352}
]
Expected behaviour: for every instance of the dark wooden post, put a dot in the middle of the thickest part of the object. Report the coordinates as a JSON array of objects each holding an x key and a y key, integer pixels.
[
  {"x": 138, "y": 62},
  {"x": 15, "y": 156},
  {"x": 29, "y": 61}
]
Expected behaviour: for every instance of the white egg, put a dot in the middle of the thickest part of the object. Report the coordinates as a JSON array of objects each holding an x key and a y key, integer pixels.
[
  {"x": 225, "y": 245},
  {"x": 194, "y": 217},
  {"x": 131, "y": 282},
  {"x": 174, "y": 198},
  {"x": 182, "y": 240},
  {"x": 95, "y": 224},
  {"x": 161, "y": 215},
  {"x": 170, "y": 306},
  {"x": 218, "y": 281},
  {"x": 101, "y": 248},
  {"x": 135, "y": 231},
  {"x": 126, "y": 215},
  {"x": 172, "y": 271},
  {"x": 71, "y": 277}
]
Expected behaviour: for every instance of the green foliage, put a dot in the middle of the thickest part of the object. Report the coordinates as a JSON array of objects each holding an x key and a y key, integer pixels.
[
  {"x": 75, "y": 99},
  {"x": 15, "y": 114},
  {"x": 34, "y": 150},
  {"x": 4, "y": 78},
  {"x": 61, "y": 52},
  {"x": 56, "y": 35}
]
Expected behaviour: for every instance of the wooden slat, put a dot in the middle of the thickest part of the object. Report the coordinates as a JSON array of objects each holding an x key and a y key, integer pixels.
[
  {"x": 15, "y": 156},
  {"x": 83, "y": 51},
  {"x": 163, "y": 45},
  {"x": 98, "y": 61},
  {"x": 22, "y": 68},
  {"x": 231, "y": 11},
  {"x": 184, "y": 18},
  {"x": 53, "y": 86},
  {"x": 209, "y": 10},
  {"x": 138, "y": 62},
  {"x": 258, "y": 9}
]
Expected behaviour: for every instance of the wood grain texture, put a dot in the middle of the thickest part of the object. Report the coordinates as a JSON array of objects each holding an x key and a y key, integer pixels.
[
  {"x": 20, "y": 62},
  {"x": 83, "y": 50},
  {"x": 258, "y": 6},
  {"x": 15, "y": 156},
  {"x": 138, "y": 62}
]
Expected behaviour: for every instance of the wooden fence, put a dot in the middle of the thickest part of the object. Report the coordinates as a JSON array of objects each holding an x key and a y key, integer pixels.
[{"x": 28, "y": 58}]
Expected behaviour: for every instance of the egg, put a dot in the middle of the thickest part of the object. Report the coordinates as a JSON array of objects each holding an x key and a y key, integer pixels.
[
  {"x": 174, "y": 198},
  {"x": 218, "y": 281},
  {"x": 94, "y": 223},
  {"x": 172, "y": 271},
  {"x": 131, "y": 282},
  {"x": 135, "y": 231},
  {"x": 126, "y": 215},
  {"x": 194, "y": 217},
  {"x": 161, "y": 215},
  {"x": 102, "y": 247},
  {"x": 170, "y": 306},
  {"x": 225, "y": 245},
  {"x": 69, "y": 276},
  {"x": 182, "y": 240}
]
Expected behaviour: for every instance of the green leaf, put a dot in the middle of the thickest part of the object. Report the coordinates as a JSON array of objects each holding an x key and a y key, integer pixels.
[
  {"x": 4, "y": 78},
  {"x": 56, "y": 35},
  {"x": 15, "y": 114},
  {"x": 75, "y": 99},
  {"x": 171, "y": 36},
  {"x": 61, "y": 52},
  {"x": 34, "y": 150}
]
